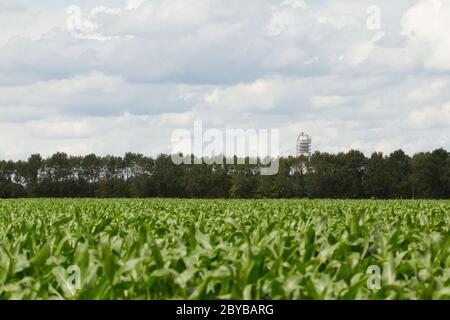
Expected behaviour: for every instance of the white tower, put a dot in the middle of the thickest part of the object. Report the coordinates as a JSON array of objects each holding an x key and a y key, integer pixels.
[{"x": 304, "y": 145}]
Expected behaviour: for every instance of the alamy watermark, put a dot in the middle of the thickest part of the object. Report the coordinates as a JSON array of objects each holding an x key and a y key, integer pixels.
[
  {"x": 211, "y": 146},
  {"x": 374, "y": 279},
  {"x": 69, "y": 280},
  {"x": 74, "y": 20},
  {"x": 74, "y": 279},
  {"x": 374, "y": 18},
  {"x": 85, "y": 26}
]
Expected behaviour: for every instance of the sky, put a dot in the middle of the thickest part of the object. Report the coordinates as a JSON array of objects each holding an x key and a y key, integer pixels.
[{"x": 108, "y": 77}]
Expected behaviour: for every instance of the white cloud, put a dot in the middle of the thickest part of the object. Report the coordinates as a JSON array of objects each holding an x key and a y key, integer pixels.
[
  {"x": 361, "y": 52},
  {"x": 324, "y": 102},
  {"x": 139, "y": 69},
  {"x": 430, "y": 117},
  {"x": 134, "y": 4},
  {"x": 426, "y": 25}
]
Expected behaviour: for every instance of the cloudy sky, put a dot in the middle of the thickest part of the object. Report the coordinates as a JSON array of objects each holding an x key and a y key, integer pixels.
[{"x": 122, "y": 75}]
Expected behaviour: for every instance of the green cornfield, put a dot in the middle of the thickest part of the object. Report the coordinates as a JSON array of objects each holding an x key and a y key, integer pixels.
[{"x": 224, "y": 249}]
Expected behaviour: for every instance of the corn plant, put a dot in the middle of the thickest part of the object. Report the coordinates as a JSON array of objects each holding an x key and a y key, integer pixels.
[{"x": 224, "y": 249}]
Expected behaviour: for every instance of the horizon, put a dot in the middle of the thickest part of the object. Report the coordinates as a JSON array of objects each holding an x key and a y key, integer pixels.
[{"x": 154, "y": 156}]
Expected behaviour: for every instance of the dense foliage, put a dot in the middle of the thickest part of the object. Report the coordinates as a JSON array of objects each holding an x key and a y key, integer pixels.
[
  {"x": 234, "y": 249},
  {"x": 349, "y": 175}
]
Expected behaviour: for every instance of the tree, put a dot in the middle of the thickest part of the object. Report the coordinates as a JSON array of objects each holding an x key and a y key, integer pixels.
[
  {"x": 169, "y": 178},
  {"x": 324, "y": 175},
  {"x": 430, "y": 173},
  {"x": 351, "y": 174},
  {"x": 377, "y": 179},
  {"x": 322, "y": 180},
  {"x": 242, "y": 186},
  {"x": 283, "y": 185},
  {"x": 90, "y": 173},
  {"x": 399, "y": 169}
]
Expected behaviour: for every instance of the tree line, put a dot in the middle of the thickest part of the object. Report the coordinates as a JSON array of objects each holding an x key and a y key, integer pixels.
[{"x": 323, "y": 175}]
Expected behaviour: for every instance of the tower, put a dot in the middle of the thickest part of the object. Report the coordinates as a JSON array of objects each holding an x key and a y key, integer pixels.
[{"x": 304, "y": 145}]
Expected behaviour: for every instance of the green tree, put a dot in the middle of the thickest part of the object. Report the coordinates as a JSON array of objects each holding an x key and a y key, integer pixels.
[{"x": 377, "y": 177}]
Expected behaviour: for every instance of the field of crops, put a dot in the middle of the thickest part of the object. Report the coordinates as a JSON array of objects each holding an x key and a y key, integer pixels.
[{"x": 217, "y": 249}]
